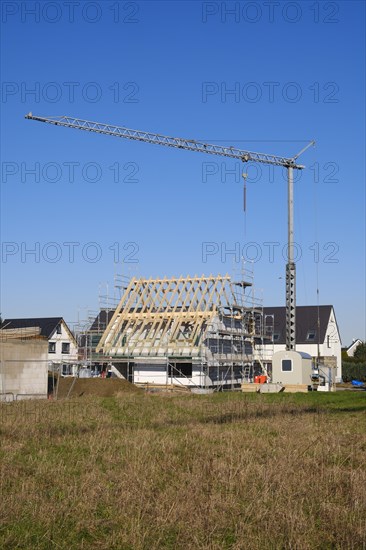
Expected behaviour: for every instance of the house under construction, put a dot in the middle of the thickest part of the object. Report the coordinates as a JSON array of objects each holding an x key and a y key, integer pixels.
[{"x": 207, "y": 333}]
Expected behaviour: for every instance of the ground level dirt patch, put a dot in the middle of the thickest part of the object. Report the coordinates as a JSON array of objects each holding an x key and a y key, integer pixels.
[{"x": 99, "y": 387}]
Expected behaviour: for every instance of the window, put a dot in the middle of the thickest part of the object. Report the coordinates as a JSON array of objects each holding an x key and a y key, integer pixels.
[
  {"x": 65, "y": 347},
  {"x": 276, "y": 337},
  {"x": 58, "y": 329},
  {"x": 51, "y": 347},
  {"x": 66, "y": 370},
  {"x": 286, "y": 365},
  {"x": 328, "y": 341},
  {"x": 311, "y": 335},
  {"x": 180, "y": 370}
]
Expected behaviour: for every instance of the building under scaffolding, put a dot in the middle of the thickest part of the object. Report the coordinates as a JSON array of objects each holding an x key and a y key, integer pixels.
[{"x": 200, "y": 332}]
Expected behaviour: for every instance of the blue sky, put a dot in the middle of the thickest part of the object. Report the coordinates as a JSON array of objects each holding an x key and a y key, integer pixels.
[{"x": 262, "y": 77}]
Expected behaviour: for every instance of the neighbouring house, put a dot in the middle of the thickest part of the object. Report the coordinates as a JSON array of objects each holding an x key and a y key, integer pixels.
[
  {"x": 62, "y": 346},
  {"x": 204, "y": 333},
  {"x": 23, "y": 364},
  {"x": 316, "y": 327},
  {"x": 352, "y": 348}
]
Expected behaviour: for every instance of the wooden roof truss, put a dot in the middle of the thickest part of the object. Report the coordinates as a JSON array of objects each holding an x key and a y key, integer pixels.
[{"x": 165, "y": 317}]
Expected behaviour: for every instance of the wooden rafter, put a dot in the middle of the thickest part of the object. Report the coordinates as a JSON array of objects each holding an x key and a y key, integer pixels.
[{"x": 165, "y": 314}]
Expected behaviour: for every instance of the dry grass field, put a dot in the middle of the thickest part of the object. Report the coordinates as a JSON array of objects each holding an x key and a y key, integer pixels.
[{"x": 225, "y": 471}]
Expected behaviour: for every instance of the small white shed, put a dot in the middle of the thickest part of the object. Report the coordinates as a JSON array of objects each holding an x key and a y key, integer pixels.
[{"x": 292, "y": 367}]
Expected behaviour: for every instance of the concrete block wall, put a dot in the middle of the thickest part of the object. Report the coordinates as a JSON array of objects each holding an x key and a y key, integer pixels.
[{"x": 24, "y": 367}]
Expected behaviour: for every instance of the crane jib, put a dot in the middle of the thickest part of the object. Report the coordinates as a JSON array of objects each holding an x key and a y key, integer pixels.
[{"x": 167, "y": 141}]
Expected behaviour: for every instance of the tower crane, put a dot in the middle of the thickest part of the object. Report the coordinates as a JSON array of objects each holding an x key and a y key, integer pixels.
[{"x": 290, "y": 163}]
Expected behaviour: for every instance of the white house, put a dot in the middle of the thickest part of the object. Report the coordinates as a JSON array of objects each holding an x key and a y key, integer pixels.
[
  {"x": 62, "y": 346},
  {"x": 316, "y": 327},
  {"x": 352, "y": 348}
]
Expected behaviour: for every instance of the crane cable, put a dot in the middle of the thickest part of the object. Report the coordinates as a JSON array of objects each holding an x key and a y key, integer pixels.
[
  {"x": 245, "y": 176},
  {"x": 316, "y": 258}
]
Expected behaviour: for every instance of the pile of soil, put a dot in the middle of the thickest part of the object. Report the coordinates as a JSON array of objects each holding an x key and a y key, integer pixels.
[{"x": 99, "y": 387}]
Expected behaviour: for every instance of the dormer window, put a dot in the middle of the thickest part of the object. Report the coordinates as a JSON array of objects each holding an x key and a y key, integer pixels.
[
  {"x": 311, "y": 335},
  {"x": 276, "y": 336}
]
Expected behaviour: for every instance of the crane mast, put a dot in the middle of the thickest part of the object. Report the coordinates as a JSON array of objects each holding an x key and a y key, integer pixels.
[{"x": 232, "y": 152}]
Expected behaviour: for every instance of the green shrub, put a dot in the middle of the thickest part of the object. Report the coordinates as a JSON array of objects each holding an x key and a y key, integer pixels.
[
  {"x": 360, "y": 353},
  {"x": 353, "y": 371}
]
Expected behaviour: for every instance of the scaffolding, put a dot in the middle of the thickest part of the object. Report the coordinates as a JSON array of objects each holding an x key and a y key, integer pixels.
[
  {"x": 243, "y": 346},
  {"x": 90, "y": 329}
]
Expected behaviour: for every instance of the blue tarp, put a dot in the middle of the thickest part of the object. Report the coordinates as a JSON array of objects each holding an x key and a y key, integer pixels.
[{"x": 357, "y": 383}]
